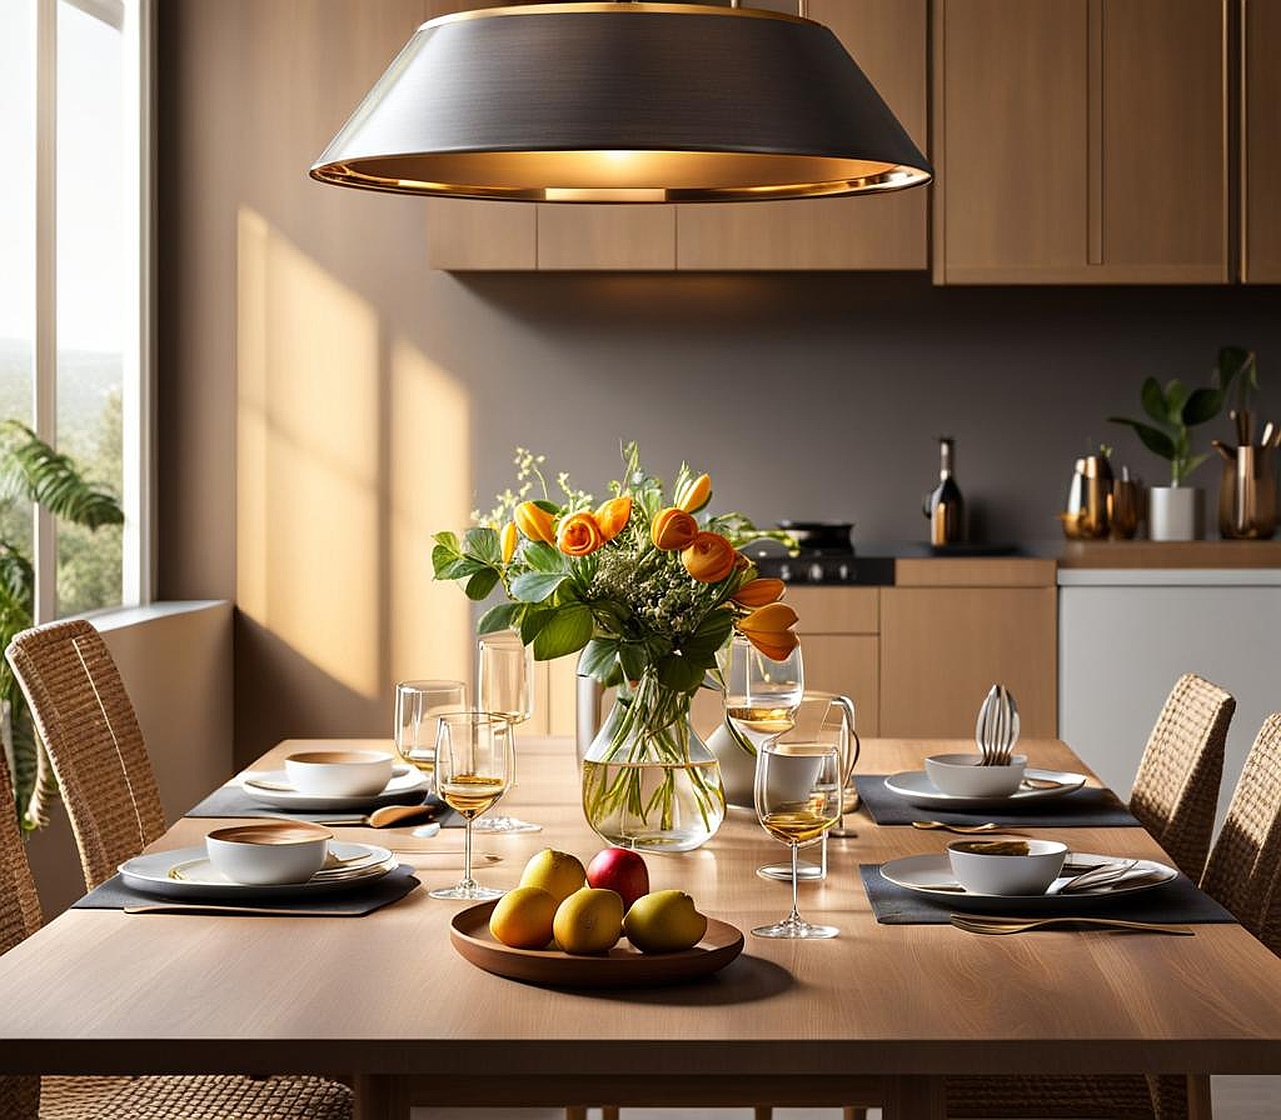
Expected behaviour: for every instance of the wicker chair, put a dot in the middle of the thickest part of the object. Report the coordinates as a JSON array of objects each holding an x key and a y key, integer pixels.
[
  {"x": 84, "y": 716},
  {"x": 1176, "y": 792}
]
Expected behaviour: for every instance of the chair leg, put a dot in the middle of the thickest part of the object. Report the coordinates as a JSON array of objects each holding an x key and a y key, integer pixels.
[
  {"x": 575, "y": 1112},
  {"x": 609, "y": 1112},
  {"x": 854, "y": 1114},
  {"x": 1199, "y": 1105},
  {"x": 763, "y": 1112}
]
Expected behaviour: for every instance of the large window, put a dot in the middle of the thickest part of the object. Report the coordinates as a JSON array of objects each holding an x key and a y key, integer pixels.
[{"x": 74, "y": 317}]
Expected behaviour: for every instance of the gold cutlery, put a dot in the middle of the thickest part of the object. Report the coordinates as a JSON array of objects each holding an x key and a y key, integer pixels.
[
  {"x": 976, "y": 923},
  {"x": 386, "y": 817},
  {"x": 966, "y": 829},
  {"x": 1041, "y": 783},
  {"x": 211, "y": 908}
]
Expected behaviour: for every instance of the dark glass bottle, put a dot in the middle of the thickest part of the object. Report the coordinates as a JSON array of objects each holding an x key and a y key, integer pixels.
[{"x": 944, "y": 506}]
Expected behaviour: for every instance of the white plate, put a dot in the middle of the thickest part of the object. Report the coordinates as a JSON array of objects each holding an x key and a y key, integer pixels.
[
  {"x": 151, "y": 874},
  {"x": 259, "y": 784},
  {"x": 932, "y": 875},
  {"x": 914, "y": 786}
]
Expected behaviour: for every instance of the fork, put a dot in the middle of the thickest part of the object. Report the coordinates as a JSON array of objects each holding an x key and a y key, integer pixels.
[
  {"x": 977, "y": 923},
  {"x": 966, "y": 829},
  {"x": 997, "y": 729}
]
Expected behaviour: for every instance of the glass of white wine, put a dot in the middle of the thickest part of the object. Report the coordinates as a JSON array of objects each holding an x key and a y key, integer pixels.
[
  {"x": 505, "y": 684},
  {"x": 761, "y": 694},
  {"x": 418, "y": 705},
  {"x": 821, "y": 717},
  {"x": 798, "y": 798},
  {"x": 473, "y": 770}
]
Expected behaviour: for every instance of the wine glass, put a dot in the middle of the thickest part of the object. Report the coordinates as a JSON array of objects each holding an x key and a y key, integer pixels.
[
  {"x": 821, "y": 717},
  {"x": 418, "y": 704},
  {"x": 505, "y": 684},
  {"x": 798, "y": 798},
  {"x": 473, "y": 770},
  {"x": 761, "y": 694}
]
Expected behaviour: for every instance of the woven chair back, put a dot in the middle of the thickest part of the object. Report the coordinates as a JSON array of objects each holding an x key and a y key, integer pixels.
[
  {"x": 1244, "y": 872},
  {"x": 1176, "y": 789},
  {"x": 87, "y": 723},
  {"x": 19, "y": 918}
]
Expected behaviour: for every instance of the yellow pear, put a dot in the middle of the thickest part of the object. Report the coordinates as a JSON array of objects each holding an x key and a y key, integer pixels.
[
  {"x": 589, "y": 921},
  {"x": 523, "y": 918},
  {"x": 665, "y": 922},
  {"x": 558, "y": 873}
]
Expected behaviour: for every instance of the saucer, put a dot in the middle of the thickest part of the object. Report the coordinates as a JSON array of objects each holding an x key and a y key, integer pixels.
[
  {"x": 272, "y": 787},
  {"x": 913, "y": 786}
]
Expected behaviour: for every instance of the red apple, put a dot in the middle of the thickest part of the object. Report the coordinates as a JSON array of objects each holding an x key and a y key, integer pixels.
[{"x": 620, "y": 870}]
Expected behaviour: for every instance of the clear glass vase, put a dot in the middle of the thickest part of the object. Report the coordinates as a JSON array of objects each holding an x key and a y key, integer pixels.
[{"x": 648, "y": 781}]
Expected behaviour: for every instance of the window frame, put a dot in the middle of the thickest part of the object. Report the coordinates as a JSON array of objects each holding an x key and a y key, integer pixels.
[{"x": 135, "y": 20}]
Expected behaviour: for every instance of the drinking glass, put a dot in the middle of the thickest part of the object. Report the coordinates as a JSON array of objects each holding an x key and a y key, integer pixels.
[
  {"x": 798, "y": 798},
  {"x": 761, "y": 694},
  {"x": 821, "y": 717},
  {"x": 473, "y": 770},
  {"x": 505, "y": 684},
  {"x": 418, "y": 704}
]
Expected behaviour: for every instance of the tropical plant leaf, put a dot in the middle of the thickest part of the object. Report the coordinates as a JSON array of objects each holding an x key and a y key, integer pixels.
[
  {"x": 1153, "y": 398},
  {"x": 1176, "y": 393},
  {"x": 1202, "y": 405},
  {"x": 1154, "y": 440},
  {"x": 567, "y": 631},
  {"x": 34, "y": 470}
]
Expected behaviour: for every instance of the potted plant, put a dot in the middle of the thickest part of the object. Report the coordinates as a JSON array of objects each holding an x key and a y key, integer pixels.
[{"x": 1175, "y": 512}]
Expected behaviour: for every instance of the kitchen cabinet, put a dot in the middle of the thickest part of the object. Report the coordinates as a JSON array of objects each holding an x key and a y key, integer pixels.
[
  {"x": 1080, "y": 141},
  {"x": 838, "y": 628},
  {"x": 889, "y": 231},
  {"x": 1260, "y": 142},
  {"x": 950, "y": 629}
]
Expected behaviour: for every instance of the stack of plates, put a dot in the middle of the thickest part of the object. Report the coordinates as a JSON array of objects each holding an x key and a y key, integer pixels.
[
  {"x": 272, "y": 787},
  {"x": 187, "y": 873},
  {"x": 914, "y": 787}
]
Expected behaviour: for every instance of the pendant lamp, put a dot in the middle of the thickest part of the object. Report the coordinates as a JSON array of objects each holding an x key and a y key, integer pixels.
[{"x": 623, "y": 102}]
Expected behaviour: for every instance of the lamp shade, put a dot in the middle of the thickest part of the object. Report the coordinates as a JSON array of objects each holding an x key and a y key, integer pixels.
[{"x": 623, "y": 102}]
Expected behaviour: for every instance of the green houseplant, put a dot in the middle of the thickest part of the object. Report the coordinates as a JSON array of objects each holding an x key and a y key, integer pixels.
[
  {"x": 1177, "y": 511},
  {"x": 32, "y": 471}
]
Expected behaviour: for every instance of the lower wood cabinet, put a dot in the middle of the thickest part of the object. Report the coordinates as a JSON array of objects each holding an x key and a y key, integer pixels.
[{"x": 942, "y": 648}]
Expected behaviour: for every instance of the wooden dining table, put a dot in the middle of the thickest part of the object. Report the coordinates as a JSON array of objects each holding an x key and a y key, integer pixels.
[{"x": 879, "y": 1015}]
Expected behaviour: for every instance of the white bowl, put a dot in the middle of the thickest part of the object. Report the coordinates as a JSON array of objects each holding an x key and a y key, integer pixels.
[
  {"x": 269, "y": 852},
  {"x": 962, "y": 775},
  {"x": 339, "y": 773},
  {"x": 991, "y": 873}
]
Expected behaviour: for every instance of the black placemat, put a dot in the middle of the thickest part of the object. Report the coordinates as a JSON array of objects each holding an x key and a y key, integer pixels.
[
  {"x": 1083, "y": 808},
  {"x": 232, "y": 801},
  {"x": 392, "y": 887},
  {"x": 1178, "y": 901}
]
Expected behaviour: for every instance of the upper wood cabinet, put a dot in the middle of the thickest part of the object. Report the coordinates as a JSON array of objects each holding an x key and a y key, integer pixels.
[
  {"x": 1080, "y": 141},
  {"x": 888, "y": 40},
  {"x": 1261, "y": 142}
]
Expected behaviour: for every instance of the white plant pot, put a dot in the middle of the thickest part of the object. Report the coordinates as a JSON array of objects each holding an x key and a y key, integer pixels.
[
  {"x": 738, "y": 768},
  {"x": 1176, "y": 513}
]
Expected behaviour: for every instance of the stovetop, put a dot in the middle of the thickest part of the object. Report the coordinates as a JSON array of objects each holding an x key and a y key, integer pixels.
[{"x": 828, "y": 567}]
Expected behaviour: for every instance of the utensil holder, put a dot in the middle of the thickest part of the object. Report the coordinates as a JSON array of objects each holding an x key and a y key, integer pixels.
[{"x": 1248, "y": 495}]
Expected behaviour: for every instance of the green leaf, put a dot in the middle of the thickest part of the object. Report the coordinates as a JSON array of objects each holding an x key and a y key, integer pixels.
[
  {"x": 712, "y": 633},
  {"x": 547, "y": 507},
  {"x": 567, "y": 631},
  {"x": 505, "y": 616},
  {"x": 32, "y": 469},
  {"x": 1155, "y": 441},
  {"x": 482, "y": 543},
  {"x": 599, "y": 658},
  {"x": 542, "y": 557},
  {"x": 1191, "y": 465},
  {"x": 1233, "y": 362},
  {"x": 449, "y": 541},
  {"x": 1154, "y": 400},
  {"x": 634, "y": 659},
  {"x": 449, "y": 565},
  {"x": 1176, "y": 393},
  {"x": 532, "y": 622},
  {"x": 535, "y": 587},
  {"x": 481, "y": 584},
  {"x": 679, "y": 673},
  {"x": 1202, "y": 405}
]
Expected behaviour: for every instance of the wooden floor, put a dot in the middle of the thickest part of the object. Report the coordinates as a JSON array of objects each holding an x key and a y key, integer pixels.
[{"x": 1235, "y": 1098}]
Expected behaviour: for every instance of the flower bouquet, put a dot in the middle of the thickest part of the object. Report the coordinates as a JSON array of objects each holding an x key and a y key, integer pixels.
[{"x": 648, "y": 590}]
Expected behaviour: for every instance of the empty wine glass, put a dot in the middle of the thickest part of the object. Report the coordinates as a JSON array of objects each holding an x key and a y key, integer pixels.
[
  {"x": 418, "y": 705},
  {"x": 505, "y": 685},
  {"x": 821, "y": 717},
  {"x": 473, "y": 770},
  {"x": 798, "y": 798}
]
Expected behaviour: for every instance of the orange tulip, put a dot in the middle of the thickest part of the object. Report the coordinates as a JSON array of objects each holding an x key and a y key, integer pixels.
[
  {"x": 695, "y": 494},
  {"x": 777, "y": 647},
  {"x": 769, "y": 629},
  {"x": 710, "y": 558},
  {"x": 673, "y": 530},
  {"x": 613, "y": 515},
  {"x": 535, "y": 522},
  {"x": 759, "y": 592},
  {"x": 507, "y": 538},
  {"x": 579, "y": 534}
]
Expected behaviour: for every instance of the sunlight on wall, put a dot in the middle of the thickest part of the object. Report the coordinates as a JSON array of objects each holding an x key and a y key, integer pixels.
[
  {"x": 308, "y": 452},
  {"x": 430, "y": 490}
]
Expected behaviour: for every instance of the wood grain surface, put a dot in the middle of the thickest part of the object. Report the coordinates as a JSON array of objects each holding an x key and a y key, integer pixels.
[{"x": 881, "y": 1011}]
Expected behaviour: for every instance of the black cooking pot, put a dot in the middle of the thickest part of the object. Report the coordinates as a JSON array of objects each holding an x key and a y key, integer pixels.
[{"x": 823, "y": 536}]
